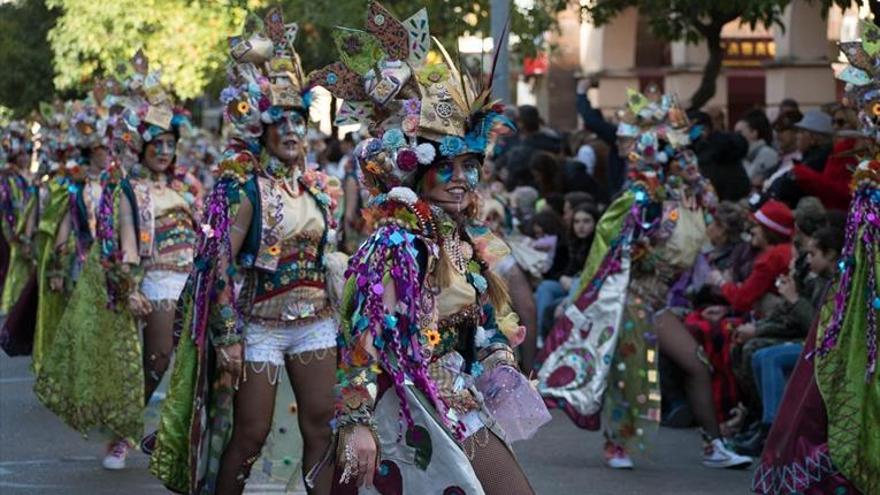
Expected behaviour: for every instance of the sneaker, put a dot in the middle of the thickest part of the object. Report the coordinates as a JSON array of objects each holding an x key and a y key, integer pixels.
[
  {"x": 148, "y": 443},
  {"x": 717, "y": 455},
  {"x": 616, "y": 457},
  {"x": 116, "y": 453}
]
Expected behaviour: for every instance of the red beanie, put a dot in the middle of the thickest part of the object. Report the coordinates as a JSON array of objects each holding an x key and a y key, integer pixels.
[{"x": 776, "y": 216}]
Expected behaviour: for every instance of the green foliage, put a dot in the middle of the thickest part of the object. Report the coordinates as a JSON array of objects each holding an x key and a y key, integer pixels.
[
  {"x": 186, "y": 39},
  {"x": 25, "y": 56}
]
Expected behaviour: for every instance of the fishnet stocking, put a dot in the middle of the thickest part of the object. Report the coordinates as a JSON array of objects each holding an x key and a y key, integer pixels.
[
  {"x": 678, "y": 345},
  {"x": 252, "y": 421},
  {"x": 313, "y": 375},
  {"x": 158, "y": 346},
  {"x": 496, "y": 468}
]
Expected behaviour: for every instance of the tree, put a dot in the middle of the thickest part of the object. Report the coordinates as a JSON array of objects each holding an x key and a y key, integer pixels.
[
  {"x": 25, "y": 55},
  {"x": 693, "y": 21},
  {"x": 186, "y": 39}
]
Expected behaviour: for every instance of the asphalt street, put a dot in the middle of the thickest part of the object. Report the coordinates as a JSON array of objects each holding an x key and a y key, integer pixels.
[{"x": 40, "y": 455}]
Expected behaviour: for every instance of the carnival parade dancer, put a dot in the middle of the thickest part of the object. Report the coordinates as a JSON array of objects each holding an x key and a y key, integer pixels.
[
  {"x": 600, "y": 360},
  {"x": 95, "y": 374},
  {"x": 420, "y": 329},
  {"x": 258, "y": 300},
  {"x": 824, "y": 437},
  {"x": 67, "y": 219},
  {"x": 15, "y": 191}
]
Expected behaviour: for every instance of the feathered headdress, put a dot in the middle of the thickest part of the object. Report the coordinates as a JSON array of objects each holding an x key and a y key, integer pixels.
[{"x": 415, "y": 110}]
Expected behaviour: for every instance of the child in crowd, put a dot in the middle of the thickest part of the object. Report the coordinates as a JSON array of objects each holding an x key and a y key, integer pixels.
[
  {"x": 551, "y": 291},
  {"x": 775, "y": 342}
]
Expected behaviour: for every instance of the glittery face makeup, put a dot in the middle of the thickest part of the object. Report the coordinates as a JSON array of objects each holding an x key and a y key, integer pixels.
[
  {"x": 284, "y": 138},
  {"x": 292, "y": 123},
  {"x": 449, "y": 184},
  {"x": 159, "y": 153}
]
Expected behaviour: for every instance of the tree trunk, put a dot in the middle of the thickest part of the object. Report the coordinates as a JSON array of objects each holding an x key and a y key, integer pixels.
[{"x": 710, "y": 72}]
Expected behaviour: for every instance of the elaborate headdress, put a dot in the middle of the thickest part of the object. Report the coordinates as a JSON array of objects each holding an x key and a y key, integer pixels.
[
  {"x": 147, "y": 110},
  {"x": 414, "y": 109},
  {"x": 661, "y": 132},
  {"x": 265, "y": 78},
  {"x": 861, "y": 78},
  {"x": 14, "y": 139}
]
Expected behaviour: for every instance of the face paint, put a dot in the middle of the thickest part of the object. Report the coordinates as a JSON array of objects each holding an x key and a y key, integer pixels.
[
  {"x": 292, "y": 123},
  {"x": 164, "y": 146}
]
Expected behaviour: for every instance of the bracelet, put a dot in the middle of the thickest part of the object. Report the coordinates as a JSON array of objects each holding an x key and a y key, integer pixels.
[{"x": 225, "y": 325}]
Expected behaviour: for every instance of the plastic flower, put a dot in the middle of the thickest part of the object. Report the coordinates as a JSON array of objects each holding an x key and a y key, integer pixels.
[
  {"x": 426, "y": 153},
  {"x": 229, "y": 94},
  {"x": 404, "y": 195},
  {"x": 412, "y": 106},
  {"x": 410, "y": 125},
  {"x": 373, "y": 168},
  {"x": 373, "y": 146},
  {"x": 451, "y": 146},
  {"x": 407, "y": 160},
  {"x": 243, "y": 107},
  {"x": 433, "y": 337},
  {"x": 393, "y": 139}
]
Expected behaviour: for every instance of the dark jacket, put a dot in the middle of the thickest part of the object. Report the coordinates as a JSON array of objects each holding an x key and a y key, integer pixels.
[
  {"x": 791, "y": 321},
  {"x": 720, "y": 157}
]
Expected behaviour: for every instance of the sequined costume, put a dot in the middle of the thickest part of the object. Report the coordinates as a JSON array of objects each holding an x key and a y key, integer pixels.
[
  {"x": 15, "y": 201},
  {"x": 823, "y": 439},
  {"x": 279, "y": 308},
  {"x": 419, "y": 331},
  {"x": 599, "y": 363},
  {"x": 92, "y": 374}
]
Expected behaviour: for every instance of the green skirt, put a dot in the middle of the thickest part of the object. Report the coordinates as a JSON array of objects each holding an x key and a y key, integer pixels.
[{"x": 92, "y": 375}]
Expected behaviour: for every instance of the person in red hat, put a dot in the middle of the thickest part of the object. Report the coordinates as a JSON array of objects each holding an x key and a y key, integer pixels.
[{"x": 771, "y": 236}]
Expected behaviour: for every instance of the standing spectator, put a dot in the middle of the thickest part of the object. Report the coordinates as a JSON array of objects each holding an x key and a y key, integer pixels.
[
  {"x": 720, "y": 155},
  {"x": 761, "y": 159},
  {"x": 520, "y": 149},
  {"x": 607, "y": 132}
]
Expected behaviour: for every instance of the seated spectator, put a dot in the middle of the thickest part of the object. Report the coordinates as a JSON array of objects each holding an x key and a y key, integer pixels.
[
  {"x": 772, "y": 233},
  {"x": 814, "y": 139},
  {"x": 572, "y": 201},
  {"x": 548, "y": 236},
  {"x": 786, "y": 143},
  {"x": 789, "y": 105},
  {"x": 761, "y": 160},
  {"x": 551, "y": 291},
  {"x": 765, "y": 357},
  {"x": 546, "y": 173}
]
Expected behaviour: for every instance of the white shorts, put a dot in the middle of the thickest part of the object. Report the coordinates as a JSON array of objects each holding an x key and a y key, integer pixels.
[
  {"x": 265, "y": 344},
  {"x": 163, "y": 285}
]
